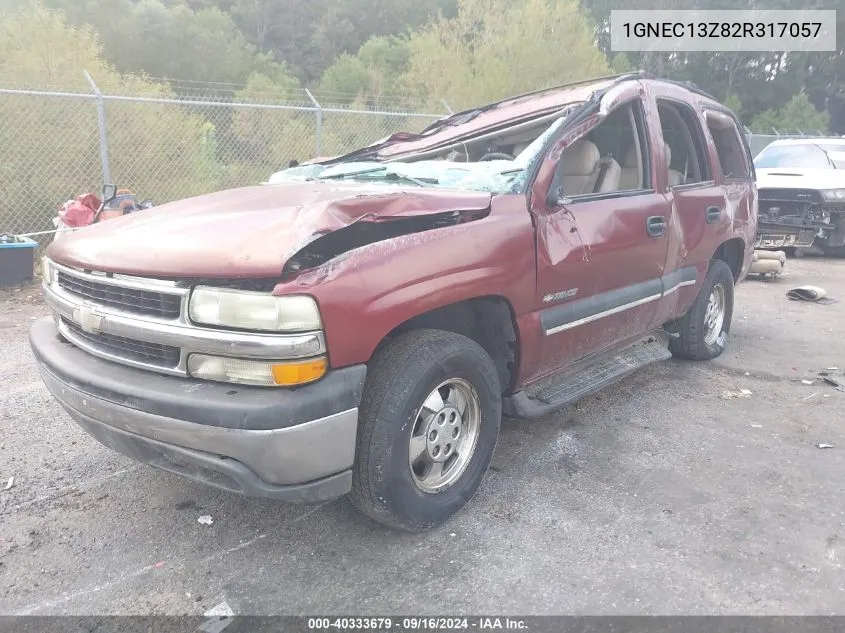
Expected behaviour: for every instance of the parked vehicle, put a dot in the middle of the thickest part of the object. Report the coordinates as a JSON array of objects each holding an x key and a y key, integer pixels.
[
  {"x": 361, "y": 324},
  {"x": 802, "y": 194}
]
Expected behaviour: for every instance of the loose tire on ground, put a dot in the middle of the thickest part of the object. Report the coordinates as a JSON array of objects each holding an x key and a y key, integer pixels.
[
  {"x": 402, "y": 378},
  {"x": 703, "y": 333}
]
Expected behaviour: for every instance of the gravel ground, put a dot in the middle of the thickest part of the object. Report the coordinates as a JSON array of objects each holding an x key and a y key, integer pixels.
[{"x": 666, "y": 494}]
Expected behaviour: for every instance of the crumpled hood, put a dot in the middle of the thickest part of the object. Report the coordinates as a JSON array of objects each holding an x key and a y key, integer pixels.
[
  {"x": 790, "y": 178},
  {"x": 244, "y": 233}
]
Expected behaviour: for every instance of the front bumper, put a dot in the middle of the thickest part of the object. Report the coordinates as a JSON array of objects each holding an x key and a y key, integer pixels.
[
  {"x": 774, "y": 235},
  {"x": 295, "y": 445}
]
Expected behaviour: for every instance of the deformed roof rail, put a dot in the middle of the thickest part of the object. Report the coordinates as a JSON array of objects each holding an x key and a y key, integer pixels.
[
  {"x": 689, "y": 85},
  {"x": 618, "y": 77}
]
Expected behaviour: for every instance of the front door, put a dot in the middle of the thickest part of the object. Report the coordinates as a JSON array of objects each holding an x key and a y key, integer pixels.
[{"x": 602, "y": 239}]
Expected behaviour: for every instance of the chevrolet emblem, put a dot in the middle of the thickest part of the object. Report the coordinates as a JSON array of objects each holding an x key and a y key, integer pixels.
[{"x": 87, "y": 319}]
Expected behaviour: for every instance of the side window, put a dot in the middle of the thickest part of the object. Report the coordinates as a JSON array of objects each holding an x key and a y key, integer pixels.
[
  {"x": 684, "y": 144},
  {"x": 729, "y": 148},
  {"x": 612, "y": 158}
]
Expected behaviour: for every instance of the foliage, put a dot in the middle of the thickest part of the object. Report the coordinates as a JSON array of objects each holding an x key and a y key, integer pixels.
[
  {"x": 761, "y": 81},
  {"x": 267, "y": 139},
  {"x": 496, "y": 48},
  {"x": 372, "y": 77},
  {"x": 148, "y": 143},
  {"x": 733, "y": 103},
  {"x": 798, "y": 115}
]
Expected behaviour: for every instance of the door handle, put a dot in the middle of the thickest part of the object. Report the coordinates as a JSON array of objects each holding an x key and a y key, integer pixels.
[
  {"x": 714, "y": 214},
  {"x": 655, "y": 225}
]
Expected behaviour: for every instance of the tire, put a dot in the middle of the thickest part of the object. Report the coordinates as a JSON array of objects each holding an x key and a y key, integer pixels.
[
  {"x": 700, "y": 340},
  {"x": 401, "y": 377}
]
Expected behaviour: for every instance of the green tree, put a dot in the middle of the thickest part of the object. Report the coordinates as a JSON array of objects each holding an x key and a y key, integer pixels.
[
  {"x": 620, "y": 63},
  {"x": 798, "y": 115},
  {"x": 733, "y": 103},
  {"x": 496, "y": 48},
  {"x": 373, "y": 77},
  {"x": 265, "y": 140},
  {"x": 49, "y": 146},
  {"x": 761, "y": 80},
  {"x": 169, "y": 39}
]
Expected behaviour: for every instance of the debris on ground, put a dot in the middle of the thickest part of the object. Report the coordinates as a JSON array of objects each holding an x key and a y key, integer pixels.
[
  {"x": 205, "y": 520},
  {"x": 813, "y": 294},
  {"x": 769, "y": 263},
  {"x": 730, "y": 395},
  {"x": 808, "y": 382},
  {"x": 834, "y": 382},
  {"x": 222, "y": 610},
  {"x": 826, "y": 446},
  {"x": 9, "y": 483},
  {"x": 812, "y": 395}
]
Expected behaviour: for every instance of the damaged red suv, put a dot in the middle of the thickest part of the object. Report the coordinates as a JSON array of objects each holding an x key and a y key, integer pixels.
[{"x": 361, "y": 324}]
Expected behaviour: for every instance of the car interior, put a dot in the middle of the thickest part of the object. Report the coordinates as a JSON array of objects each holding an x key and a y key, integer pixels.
[
  {"x": 608, "y": 159},
  {"x": 611, "y": 158},
  {"x": 685, "y": 152}
]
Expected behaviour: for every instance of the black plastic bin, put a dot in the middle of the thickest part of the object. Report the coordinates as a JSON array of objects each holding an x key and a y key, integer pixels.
[{"x": 17, "y": 260}]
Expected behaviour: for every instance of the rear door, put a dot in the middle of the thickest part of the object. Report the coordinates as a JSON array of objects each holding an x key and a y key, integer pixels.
[
  {"x": 694, "y": 189},
  {"x": 601, "y": 254}
]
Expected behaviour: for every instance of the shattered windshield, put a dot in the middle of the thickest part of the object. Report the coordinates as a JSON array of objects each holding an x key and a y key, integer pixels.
[{"x": 498, "y": 174}]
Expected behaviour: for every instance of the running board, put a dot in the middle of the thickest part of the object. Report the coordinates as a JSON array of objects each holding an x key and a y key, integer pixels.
[{"x": 587, "y": 377}]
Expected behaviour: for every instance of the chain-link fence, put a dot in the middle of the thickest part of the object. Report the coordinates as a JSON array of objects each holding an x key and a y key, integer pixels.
[{"x": 55, "y": 146}]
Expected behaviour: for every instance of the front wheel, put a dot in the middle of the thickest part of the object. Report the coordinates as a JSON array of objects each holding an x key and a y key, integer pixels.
[
  {"x": 429, "y": 421},
  {"x": 704, "y": 329}
]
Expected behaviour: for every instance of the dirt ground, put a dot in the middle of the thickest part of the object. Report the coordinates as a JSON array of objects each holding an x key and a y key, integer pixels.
[{"x": 670, "y": 493}]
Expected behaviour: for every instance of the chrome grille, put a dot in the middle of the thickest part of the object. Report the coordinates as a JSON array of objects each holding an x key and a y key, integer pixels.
[
  {"x": 133, "y": 300},
  {"x": 141, "y": 322},
  {"x": 122, "y": 347}
]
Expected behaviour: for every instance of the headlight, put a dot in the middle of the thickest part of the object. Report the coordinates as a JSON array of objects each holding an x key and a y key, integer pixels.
[
  {"x": 48, "y": 271},
  {"x": 256, "y": 372},
  {"x": 833, "y": 194},
  {"x": 253, "y": 310}
]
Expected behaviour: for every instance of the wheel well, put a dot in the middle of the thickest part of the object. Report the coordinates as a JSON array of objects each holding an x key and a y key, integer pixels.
[
  {"x": 488, "y": 321},
  {"x": 731, "y": 252}
]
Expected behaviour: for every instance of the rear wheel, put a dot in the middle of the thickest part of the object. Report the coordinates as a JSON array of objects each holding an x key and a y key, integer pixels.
[
  {"x": 429, "y": 421},
  {"x": 704, "y": 329}
]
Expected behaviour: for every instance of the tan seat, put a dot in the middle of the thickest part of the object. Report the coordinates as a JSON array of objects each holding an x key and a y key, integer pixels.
[
  {"x": 675, "y": 177},
  {"x": 577, "y": 169},
  {"x": 609, "y": 173},
  {"x": 519, "y": 148},
  {"x": 629, "y": 176}
]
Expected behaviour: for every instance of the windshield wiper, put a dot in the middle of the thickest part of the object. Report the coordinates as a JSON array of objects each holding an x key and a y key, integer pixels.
[
  {"x": 348, "y": 174},
  {"x": 388, "y": 175},
  {"x": 826, "y": 155}
]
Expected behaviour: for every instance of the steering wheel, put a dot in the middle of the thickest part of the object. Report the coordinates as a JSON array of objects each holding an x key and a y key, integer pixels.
[{"x": 495, "y": 156}]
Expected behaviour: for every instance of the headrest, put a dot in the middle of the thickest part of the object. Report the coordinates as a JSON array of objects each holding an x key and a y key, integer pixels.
[
  {"x": 580, "y": 159},
  {"x": 631, "y": 156},
  {"x": 668, "y": 155},
  {"x": 518, "y": 148}
]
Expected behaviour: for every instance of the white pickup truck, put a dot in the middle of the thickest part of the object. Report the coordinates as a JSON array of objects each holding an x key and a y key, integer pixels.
[{"x": 801, "y": 186}]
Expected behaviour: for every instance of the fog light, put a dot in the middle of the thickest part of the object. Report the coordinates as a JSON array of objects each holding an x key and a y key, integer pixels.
[{"x": 256, "y": 372}]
